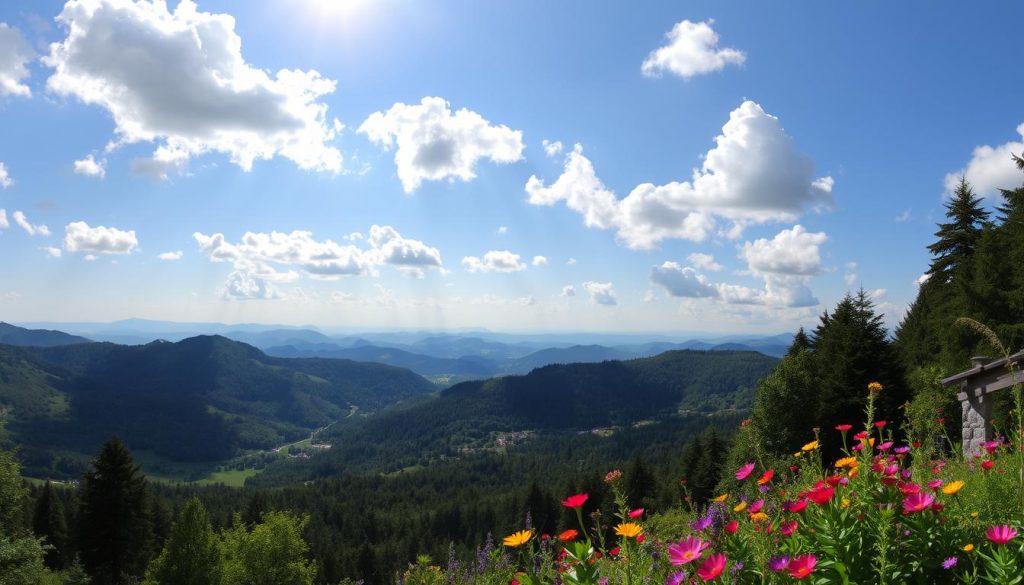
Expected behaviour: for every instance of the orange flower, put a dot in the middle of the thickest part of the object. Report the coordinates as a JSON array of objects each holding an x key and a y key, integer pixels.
[
  {"x": 720, "y": 498},
  {"x": 568, "y": 535},
  {"x": 758, "y": 517},
  {"x": 518, "y": 538},
  {"x": 629, "y": 529},
  {"x": 875, "y": 387},
  {"x": 953, "y": 487}
]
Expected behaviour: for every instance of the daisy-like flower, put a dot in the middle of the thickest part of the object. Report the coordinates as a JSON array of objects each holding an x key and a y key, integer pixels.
[
  {"x": 676, "y": 578},
  {"x": 576, "y": 501},
  {"x": 629, "y": 529},
  {"x": 744, "y": 472},
  {"x": 949, "y": 563},
  {"x": 846, "y": 462},
  {"x": 686, "y": 551},
  {"x": 1000, "y": 534},
  {"x": 568, "y": 535},
  {"x": 953, "y": 487},
  {"x": 967, "y": 547},
  {"x": 732, "y": 527},
  {"x": 766, "y": 477},
  {"x": 517, "y": 539},
  {"x": 637, "y": 513},
  {"x": 843, "y": 428},
  {"x": 758, "y": 517},
  {"x": 788, "y": 528},
  {"x": 917, "y": 502},
  {"x": 720, "y": 499},
  {"x": 810, "y": 446},
  {"x": 712, "y": 567},
  {"x": 756, "y": 507},
  {"x": 802, "y": 566},
  {"x": 739, "y": 507}
]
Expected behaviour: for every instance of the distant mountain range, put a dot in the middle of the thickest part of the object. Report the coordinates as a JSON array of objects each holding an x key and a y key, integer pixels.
[
  {"x": 13, "y": 335},
  {"x": 200, "y": 399}
]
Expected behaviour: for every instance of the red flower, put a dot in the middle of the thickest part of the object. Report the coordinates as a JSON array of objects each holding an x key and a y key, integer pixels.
[
  {"x": 766, "y": 477},
  {"x": 732, "y": 527},
  {"x": 568, "y": 535},
  {"x": 788, "y": 527},
  {"x": 615, "y": 551},
  {"x": 545, "y": 536},
  {"x": 575, "y": 501},
  {"x": 634, "y": 514},
  {"x": 833, "y": 480},
  {"x": 798, "y": 506},
  {"x": 712, "y": 567},
  {"x": 987, "y": 464},
  {"x": 909, "y": 488},
  {"x": 640, "y": 539},
  {"x": 821, "y": 495},
  {"x": 880, "y": 424},
  {"x": 860, "y": 436},
  {"x": 843, "y": 428}
]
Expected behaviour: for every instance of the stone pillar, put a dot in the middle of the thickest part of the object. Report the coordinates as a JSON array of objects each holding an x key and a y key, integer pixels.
[{"x": 977, "y": 421}]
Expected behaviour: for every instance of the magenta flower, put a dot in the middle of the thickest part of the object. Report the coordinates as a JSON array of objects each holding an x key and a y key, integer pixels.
[
  {"x": 675, "y": 578},
  {"x": 1000, "y": 534},
  {"x": 712, "y": 567},
  {"x": 802, "y": 566},
  {"x": 756, "y": 507},
  {"x": 917, "y": 502},
  {"x": 779, "y": 563},
  {"x": 744, "y": 472},
  {"x": 686, "y": 551},
  {"x": 949, "y": 563}
]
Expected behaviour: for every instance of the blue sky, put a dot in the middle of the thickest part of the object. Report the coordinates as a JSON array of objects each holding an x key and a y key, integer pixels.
[{"x": 740, "y": 166}]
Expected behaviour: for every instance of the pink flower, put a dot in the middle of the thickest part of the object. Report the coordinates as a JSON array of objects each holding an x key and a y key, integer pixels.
[
  {"x": 802, "y": 566},
  {"x": 744, "y": 472},
  {"x": 885, "y": 446},
  {"x": 756, "y": 507},
  {"x": 880, "y": 424},
  {"x": 935, "y": 484},
  {"x": 686, "y": 551},
  {"x": 788, "y": 527},
  {"x": 1000, "y": 534},
  {"x": 712, "y": 567},
  {"x": 917, "y": 502},
  {"x": 843, "y": 428},
  {"x": 798, "y": 506},
  {"x": 991, "y": 446},
  {"x": 634, "y": 514}
]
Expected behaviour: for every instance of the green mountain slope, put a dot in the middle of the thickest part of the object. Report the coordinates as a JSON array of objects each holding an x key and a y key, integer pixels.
[
  {"x": 201, "y": 399},
  {"x": 14, "y": 335}
]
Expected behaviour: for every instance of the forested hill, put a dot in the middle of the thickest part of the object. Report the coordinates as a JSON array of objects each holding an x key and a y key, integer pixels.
[
  {"x": 14, "y": 335},
  {"x": 200, "y": 399},
  {"x": 484, "y": 415}
]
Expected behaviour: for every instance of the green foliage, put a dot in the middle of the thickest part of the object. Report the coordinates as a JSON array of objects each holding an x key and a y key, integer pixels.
[
  {"x": 273, "y": 553},
  {"x": 21, "y": 554},
  {"x": 928, "y": 410},
  {"x": 115, "y": 527},
  {"x": 192, "y": 555}
]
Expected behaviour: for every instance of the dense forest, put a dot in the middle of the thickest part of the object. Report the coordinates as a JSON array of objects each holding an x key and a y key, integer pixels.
[{"x": 365, "y": 512}]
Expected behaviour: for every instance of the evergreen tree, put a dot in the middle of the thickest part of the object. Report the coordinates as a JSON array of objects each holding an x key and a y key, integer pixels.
[
  {"x": 779, "y": 419},
  {"x": 21, "y": 554},
  {"x": 800, "y": 343},
  {"x": 639, "y": 484},
  {"x": 48, "y": 521},
  {"x": 958, "y": 237},
  {"x": 192, "y": 555},
  {"x": 115, "y": 528},
  {"x": 850, "y": 349}
]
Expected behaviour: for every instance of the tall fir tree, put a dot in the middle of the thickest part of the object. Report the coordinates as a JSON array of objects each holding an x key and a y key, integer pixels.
[
  {"x": 49, "y": 522},
  {"x": 958, "y": 237},
  {"x": 192, "y": 554},
  {"x": 115, "y": 528}
]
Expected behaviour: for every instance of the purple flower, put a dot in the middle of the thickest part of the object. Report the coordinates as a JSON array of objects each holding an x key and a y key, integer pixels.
[
  {"x": 949, "y": 563},
  {"x": 675, "y": 578},
  {"x": 702, "y": 523},
  {"x": 779, "y": 563},
  {"x": 602, "y": 581}
]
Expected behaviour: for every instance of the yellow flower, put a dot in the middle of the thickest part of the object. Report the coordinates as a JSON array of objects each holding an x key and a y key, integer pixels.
[
  {"x": 846, "y": 503},
  {"x": 797, "y": 454},
  {"x": 758, "y": 517},
  {"x": 875, "y": 387},
  {"x": 968, "y": 547},
  {"x": 810, "y": 446},
  {"x": 518, "y": 538},
  {"x": 629, "y": 529},
  {"x": 953, "y": 487},
  {"x": 974, "y": 514},
  {"x": 740, "y": 507},
  {"x": 846, "y": 462},
  {"x": 720, "y": 498}
]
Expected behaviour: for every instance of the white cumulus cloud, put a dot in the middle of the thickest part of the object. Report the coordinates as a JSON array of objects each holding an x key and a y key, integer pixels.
[
  {"x": 682, "y": 281},
  {"x": 3, "y": 220},
  {"x": 91, "y": 167},
  {"x": 991, "y": 168},
  {"x": 494, "y": 261},
  {"x": 433, "y": 143},
  {"x": 552, "y": 148},
  {"x": 602, "y": 293},
  {"x": 79, "y": 237},
  {"x": 692, "y": 50},
  {"x": 261, "y": 257},
  {"x": 178, "y": 79},
  {"x": 175, "y": 255},
  {"x": 5, "y": 178},
  {"x": 705, "y": 261},
  {"x": 15, "y": 53},
  {"x": 568, "y": 291},
  {"x": 52, "y": 252},
  {"x": 754, "y": 174},
  {"x": 30, "y": 229},
  {"x": 791, "y": 252},
  {"x": 539, "y": 261}
]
